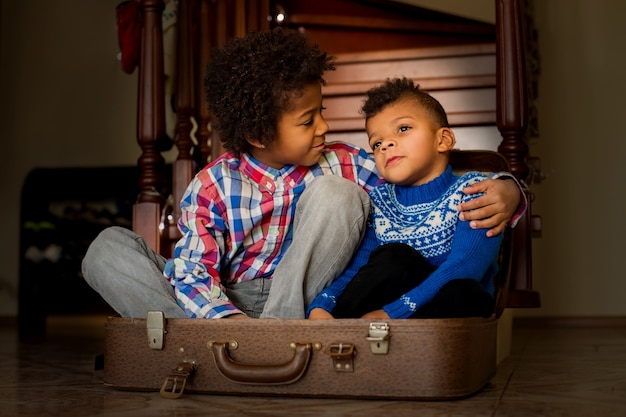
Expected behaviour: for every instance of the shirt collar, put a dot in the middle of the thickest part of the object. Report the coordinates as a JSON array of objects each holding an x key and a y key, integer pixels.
[{"x": 266, "y": 176}]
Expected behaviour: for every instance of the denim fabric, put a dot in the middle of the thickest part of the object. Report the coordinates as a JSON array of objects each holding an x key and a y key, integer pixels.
[
  {"x": 121, "y": 267},
  {"x": 329, "y": 224}
]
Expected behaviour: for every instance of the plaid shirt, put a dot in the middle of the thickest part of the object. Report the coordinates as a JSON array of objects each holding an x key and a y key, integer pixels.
[{"x": 236, "y": 222}]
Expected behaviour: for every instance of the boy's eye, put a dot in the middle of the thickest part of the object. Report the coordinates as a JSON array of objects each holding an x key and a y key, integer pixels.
[
  {"x": 375, "y": 145},
  {"x": 404, "y": 128},
  {"x": 310, "y": 122}
]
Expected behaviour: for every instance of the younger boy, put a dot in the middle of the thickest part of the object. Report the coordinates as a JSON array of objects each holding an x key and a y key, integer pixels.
[
  {"x": 282, "y": 209},
  {"x": 417, "y": 258}
]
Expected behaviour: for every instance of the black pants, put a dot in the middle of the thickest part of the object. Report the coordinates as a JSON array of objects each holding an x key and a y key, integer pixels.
[{"x": 394, "y": 269}]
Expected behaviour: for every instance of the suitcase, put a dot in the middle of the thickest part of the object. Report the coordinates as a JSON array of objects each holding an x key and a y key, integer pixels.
[{"x": 346, "y": 358}]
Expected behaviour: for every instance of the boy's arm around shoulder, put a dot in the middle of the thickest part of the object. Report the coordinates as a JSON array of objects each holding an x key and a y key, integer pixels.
[{"x": 502, "y": 204}]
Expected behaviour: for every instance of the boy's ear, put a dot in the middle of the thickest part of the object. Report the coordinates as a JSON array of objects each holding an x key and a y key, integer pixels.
[
  {"x": 447, "y": 140},
  {"x": 256, "y": 143}
]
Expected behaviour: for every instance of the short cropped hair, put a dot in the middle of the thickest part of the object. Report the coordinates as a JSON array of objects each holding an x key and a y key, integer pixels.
[
  {"x": 398, "y": 89},
  {"x": 251, "y": 81}
]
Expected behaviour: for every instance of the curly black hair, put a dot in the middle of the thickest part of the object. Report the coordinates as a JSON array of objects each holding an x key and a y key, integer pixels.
[
  {"x": 397, "y": 89},
  {"x": 252, "y": 80}
]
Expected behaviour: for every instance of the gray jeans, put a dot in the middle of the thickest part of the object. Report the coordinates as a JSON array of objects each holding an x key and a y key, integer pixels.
[{"x": 329, "y": 224}]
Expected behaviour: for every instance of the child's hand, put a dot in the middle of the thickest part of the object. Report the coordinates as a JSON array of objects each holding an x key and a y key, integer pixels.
[
  {"x": 319, "y": 313},
  {"x": 376, "y": 314},
  {"x": 237, "y": 316},
  {"x": 493, "y": 210}
]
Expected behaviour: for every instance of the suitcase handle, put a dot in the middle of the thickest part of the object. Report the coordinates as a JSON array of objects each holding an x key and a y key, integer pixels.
[{"x": 284, "y": 373}]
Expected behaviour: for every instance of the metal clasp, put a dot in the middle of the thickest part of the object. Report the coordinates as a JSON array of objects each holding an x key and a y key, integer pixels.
[
  {"x": 379, "y": 338},
  {"x": 155, "y": 326},
  {"x": 342, "y": 355}
]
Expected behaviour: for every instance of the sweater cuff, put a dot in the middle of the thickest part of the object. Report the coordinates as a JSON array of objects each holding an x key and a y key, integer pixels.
[
  {"x": 323, "y": 301},
  {"x": 400, "y": 309},
  {"x": 523, "y": 205}
]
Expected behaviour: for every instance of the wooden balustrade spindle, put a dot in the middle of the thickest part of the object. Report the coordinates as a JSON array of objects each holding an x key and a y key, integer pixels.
[
  {"x": 184, "y": 81},
  {"x": 205, "y": 42},
  {"x": 150, "y": 124},
  {"x": 151, "y": 108}
]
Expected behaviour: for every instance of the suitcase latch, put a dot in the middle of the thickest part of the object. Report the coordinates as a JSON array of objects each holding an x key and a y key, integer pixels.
[
  {"x": 379, "y": 338},
  {"x": 155, "y": 326},
  {"x": 174, "y": 385},
  {"x": 342, "y": 355}
]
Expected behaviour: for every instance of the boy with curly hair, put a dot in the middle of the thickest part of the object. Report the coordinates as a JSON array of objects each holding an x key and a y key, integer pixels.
[
  {"x": 417, "y": 258},
  {"x": 267, "y": 225}
]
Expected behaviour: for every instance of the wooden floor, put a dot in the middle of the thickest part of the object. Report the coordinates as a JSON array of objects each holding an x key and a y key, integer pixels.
[{"x": 551, "y": 372}]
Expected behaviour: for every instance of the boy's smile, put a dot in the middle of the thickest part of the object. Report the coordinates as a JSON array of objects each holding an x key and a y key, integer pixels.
[{"x": 300, "y": 134}]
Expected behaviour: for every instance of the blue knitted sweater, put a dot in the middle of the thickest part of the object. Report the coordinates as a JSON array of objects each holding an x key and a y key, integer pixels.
[{"x": 426, "y": 218}]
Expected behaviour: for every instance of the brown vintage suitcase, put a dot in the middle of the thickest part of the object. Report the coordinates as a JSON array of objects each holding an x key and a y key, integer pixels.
[{"x": 347, "y": 358}]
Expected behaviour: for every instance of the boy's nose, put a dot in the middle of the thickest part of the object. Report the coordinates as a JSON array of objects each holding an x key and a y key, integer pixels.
[{"x": 322, "y": 128}]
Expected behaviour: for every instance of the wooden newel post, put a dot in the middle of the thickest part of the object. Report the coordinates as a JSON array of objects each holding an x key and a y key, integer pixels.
[
  {"x": 512, "y": 96},
  {"x": 512, "y": 122}
]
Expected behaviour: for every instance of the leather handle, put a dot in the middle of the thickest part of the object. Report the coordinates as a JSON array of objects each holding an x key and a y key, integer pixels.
[{"x": 284, "y": 373}]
